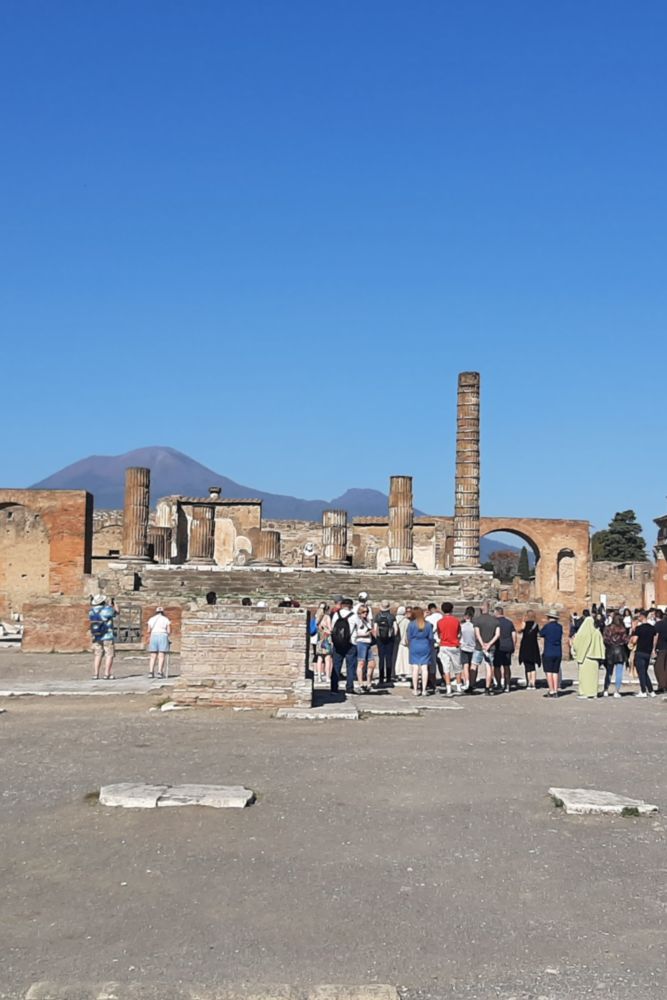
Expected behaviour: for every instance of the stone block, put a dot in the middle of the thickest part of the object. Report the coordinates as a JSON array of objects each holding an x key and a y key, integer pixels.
[
  {"x": 215, "y": 796},
  {"x": 591, "y": 802},
  {"x": 322, "y": 713},
  {"x": 131, "y": 795}
]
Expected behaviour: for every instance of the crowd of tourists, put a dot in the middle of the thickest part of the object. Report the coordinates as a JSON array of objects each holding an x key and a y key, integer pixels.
[{"x": 433, "y": 649}]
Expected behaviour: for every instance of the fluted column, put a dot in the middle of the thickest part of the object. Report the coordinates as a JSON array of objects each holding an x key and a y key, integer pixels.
[
  {"x": 334, "y": 538},
  {"x": 466, "y": 500},
  {"x": 201, "y": 544},
  {"x": 400, "y": 523},
  {"x": 135, "y": 514},
  {"x": 159, "y": 539},
  {"x": 266, "y": 549}
]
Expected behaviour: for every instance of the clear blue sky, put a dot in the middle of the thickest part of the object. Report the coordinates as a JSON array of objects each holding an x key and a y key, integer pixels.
[{"x": 270, "y": 233}]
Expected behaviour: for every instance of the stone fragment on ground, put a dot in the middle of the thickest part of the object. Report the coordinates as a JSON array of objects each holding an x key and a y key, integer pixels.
[
  {"x": 320, "y": 713},
  {"x": 50, "y": 990},
  {"x": 129, "y": 795},
  {"x": 592, "y": 802}
]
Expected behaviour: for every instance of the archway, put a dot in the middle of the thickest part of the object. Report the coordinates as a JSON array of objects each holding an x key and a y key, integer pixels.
[{"x": 500, "y": 550}]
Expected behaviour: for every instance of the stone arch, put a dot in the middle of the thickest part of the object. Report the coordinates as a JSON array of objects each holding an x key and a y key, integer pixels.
[
  {"x": 525, "y": 537},
  {"x": 552, "y": 536}
]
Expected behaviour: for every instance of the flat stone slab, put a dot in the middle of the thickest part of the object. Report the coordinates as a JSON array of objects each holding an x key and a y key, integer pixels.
[
  {"x": 131, "y": 795},
  {"x": 590, "y": 802},
  {"x": 366, "y": 709},
  {"x": 121, "y": 685},
  {"x": 448, "y": 705},
  {"x": 320, "y": 713}
]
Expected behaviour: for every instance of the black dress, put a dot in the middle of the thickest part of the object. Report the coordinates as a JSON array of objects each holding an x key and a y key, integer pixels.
[{"x": 529, "y": 650}]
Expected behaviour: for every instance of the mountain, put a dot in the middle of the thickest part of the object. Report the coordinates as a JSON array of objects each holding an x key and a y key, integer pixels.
[{"x": 172, "y": 472}]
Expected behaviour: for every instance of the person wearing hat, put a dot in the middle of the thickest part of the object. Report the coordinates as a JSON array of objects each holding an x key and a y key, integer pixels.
[
  {"x": 552, "y": 634},
  {"x": 100, "y": 618},
  {"x": 158, "y": 634}
]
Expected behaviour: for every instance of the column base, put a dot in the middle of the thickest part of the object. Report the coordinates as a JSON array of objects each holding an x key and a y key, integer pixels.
[
  {"x": 200, "y": 562},
  {"x": 392, "y": 567},
  {"x": 265, "y": 562},
  {"x": 334, "y": 564}
]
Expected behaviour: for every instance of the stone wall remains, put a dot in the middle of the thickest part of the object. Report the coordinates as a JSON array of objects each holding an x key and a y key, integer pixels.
[
  {"x": 629, "y": 583},
  {"x": 247, "y": 657},
  {"x": 56, "y": 626},
  {"x": 107, "y": 533}
]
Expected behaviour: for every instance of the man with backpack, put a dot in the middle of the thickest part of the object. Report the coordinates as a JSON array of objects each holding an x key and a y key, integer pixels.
[
  {"x": 100, "y": 617},
  {"x": 384, "y": 631},
  {"x": 344, "y": 627}
]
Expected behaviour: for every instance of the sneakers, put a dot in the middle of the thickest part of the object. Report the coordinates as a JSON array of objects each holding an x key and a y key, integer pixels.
[
  {"x": 605, "y": 694},
  {"x": 641, "y": 694},
  {"x": 617, "y": 694},
  {"x": 651, "y": 694}
]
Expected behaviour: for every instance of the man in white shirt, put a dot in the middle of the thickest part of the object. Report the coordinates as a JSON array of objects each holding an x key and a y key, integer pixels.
[
  {"x": 344, "y": 641},
  {"x": 158, "y": 633},
  {"x": 434, "y": 617}
]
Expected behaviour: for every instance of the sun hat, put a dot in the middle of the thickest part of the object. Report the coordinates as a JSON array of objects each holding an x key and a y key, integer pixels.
[
  {"x": 98, "y": 599},
  {"x": 159, "y": 610},
  {"x": 261, "y": 604},
  {"x": 363, "y": 596},
  {"x": 401, "y": 610},
  {"x": 552, "y": 613}
]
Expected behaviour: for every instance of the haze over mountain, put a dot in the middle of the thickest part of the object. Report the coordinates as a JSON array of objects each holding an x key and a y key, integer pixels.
[{"x": 172, "y": 472}]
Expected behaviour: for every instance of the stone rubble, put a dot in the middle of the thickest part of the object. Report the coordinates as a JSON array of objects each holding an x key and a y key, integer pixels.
[
  {"x": 129, "y": 795},
  {"x": 591, "y": 802}
]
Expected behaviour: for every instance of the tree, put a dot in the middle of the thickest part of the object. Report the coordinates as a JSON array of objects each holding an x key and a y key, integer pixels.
[
  {"x": 622, "y": 541},
  {"x": 523, "y": 569},
  {"x": 505, "y": 562}
]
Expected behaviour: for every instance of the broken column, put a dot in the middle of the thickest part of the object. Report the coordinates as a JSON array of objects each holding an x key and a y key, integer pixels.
[
  {"x": 266, "y": 549},
  {"x": 135, "y": 514},
  {"x": 466, "y": 500},
  {"x": 334, "y": 538},
  {"x": 201, "y": 545},
  {"x": 400, "y": 523},
  {"x": 159, "y": 541}
]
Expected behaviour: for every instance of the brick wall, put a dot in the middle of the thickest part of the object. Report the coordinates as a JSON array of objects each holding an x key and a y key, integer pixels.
[
  {"x": 252, "y": 657},
  {"x": 623, "y": 583},
  {"x": 56, "y": 626}
]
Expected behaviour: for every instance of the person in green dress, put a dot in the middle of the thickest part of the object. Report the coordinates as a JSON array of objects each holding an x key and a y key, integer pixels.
[{"x": 589, "y": 652}]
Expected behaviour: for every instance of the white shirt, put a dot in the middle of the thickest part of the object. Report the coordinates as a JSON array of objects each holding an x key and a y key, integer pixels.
[
  {"x": 159, "y": 625},
  {"x": 354, "y": 622},
  {"x": 434, "y": 618}
]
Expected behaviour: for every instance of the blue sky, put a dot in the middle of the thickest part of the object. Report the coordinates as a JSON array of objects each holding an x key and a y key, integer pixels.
[{"x": 270, "y": 234}]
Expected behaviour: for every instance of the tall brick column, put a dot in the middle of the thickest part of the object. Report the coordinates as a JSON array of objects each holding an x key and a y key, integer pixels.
[
  {"x": 160, "y": 540},
  {"x": 266, "y": 550},
  {"x": 400, "y": 523},
  {"x": 201, "y": 544},
  {"x": 466, "y": 500},
  {"x": 135, "y": 514},
  {"x": 334, "y": 538}
]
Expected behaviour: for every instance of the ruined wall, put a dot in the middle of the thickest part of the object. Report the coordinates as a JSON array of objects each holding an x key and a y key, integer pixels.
[
  {"x": 45, "y": 544},
  {"x": 294, "y": 536},
  {"x": 624, "y": 583},
  {"x": 107, "y": 533},
  {"x": 56, "y": 626},
  {"x": 236, "y": 524},
  {"x": 244, "y": 656}
]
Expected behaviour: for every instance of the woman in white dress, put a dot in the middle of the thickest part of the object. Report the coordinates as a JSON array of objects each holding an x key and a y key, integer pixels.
[{"x": 402, "y": 662}]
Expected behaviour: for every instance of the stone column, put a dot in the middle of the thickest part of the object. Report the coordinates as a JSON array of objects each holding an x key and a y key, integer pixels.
[
  {"x": 160, "y": 540},
  {"x": 334, "y": 538},
  {"x": 466, "y": 501},
  {"x": 135, "y": 514},
  {"x": 400, "y": 523},
  {"x": 266, "y": 551},
  {"x": 201, "y": 544}
]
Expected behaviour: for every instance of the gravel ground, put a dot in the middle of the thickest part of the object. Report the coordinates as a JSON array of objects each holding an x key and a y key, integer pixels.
[{"x": 422, "y": 852}]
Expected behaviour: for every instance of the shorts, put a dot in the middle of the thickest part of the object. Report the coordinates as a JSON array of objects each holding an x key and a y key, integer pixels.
[
  {"x": 364, "y": 652},
  {"x": 450, "y": 657},
  {"x": 551, "y": 664},
  {"x": 502, "y": 658},
  {"x": 159, "y": 643},
  {"x": 477, "y": 658},
  {"x": 466, "y": 657},
  {"x": 105, "y": 643}
]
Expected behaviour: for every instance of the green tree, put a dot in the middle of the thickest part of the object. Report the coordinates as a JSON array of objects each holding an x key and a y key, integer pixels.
[
  {"x": 622, "y": 541},
  {"x": 524, "y": 566}
]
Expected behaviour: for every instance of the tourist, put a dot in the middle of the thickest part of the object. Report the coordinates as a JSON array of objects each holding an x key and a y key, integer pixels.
[
  {"x": 552, "y": 654},
  {"x": 503, "y": 650},
  {"x": 660, "y": 665},
  {"x": 323, "y": 648},
  {"x": 363, "y": 598},
  {"x": 470, "y": 656},
  {"x": 616, "y": 651},
  {"x": 344, "y": 641},
  {"x": 365, "y": 658},
  {"x": 402, "y": 660},
  {"x": 486, "y": 636},
  {"x": 384, "y": 630},
  {"x": 158, "y": 632},
  {"x": 419, "y": 638},
  {"x": 449, "y": 639},
  {"x": 433, "y": 616},
  {"x": 589, "y": 652},
  {"x": 100, "y": 618},
  {"x": 644, "y": 638},
  {"x": 529, "y": 649}
]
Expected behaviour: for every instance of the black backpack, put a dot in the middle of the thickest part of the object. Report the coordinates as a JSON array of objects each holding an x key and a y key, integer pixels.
[
  {"x": 340, "y": 634},
  {"x": 385, "y": 627}
]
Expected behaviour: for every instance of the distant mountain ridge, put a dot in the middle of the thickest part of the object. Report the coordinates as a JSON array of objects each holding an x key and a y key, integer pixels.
[{"x": 172, "y": 473}]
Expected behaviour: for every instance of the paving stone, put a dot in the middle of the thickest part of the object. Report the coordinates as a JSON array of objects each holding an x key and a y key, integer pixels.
[
  {"x": 391, "y": 709},
  {"x": 370, "y": 991},
  {"x": 321, "y": 713},
  {"x": 170, "y": 706},
  {"x": 131, "y": 795},
  {"x": 215, "y": 796},
  {"x": 47, "y": 990},
  {"x": 431, "y": 705},
  {"x": 591, "y": 802}
]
